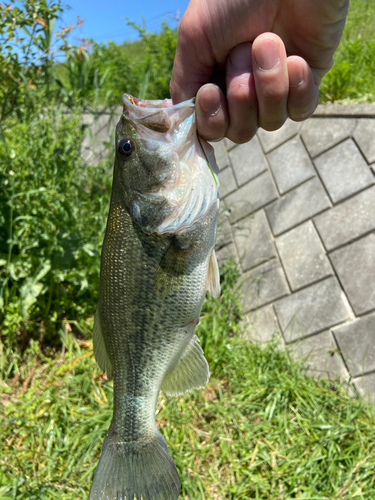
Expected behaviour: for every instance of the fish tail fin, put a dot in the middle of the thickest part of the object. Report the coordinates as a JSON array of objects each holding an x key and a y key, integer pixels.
[{"x": 129, "y": 472}]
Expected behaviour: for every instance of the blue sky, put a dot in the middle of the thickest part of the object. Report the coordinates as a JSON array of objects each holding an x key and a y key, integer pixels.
[{"x": 106, "y": 19}]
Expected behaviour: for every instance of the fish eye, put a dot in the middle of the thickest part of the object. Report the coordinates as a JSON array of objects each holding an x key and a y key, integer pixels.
[{"x": 126, "y": 147}]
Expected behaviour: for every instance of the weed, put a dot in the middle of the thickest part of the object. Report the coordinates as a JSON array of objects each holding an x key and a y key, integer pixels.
[{"x": 352, "y": 78}]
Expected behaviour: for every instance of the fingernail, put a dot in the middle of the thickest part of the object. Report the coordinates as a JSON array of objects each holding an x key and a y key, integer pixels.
[
  {"x": 240, "y": 58},
  {"x": 267, "y": 56},
  {"x": 209, "y": 99},
  {"x": 295, "y": 75}
]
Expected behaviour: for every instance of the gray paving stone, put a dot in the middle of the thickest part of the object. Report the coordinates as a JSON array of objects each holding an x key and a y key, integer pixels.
[
  {"x": 297, "y": 206},
  {"x": 260, "y": 325},
  {"x": 366, "y": 385},
  {"x": 224, "y": 231},
  {"x": 355, "y": 267},
  {"x": 356, "y": 341},
  {"x": 364, "y": 136},
  {"x": 221, "y": 154},
  {"x": 303, "y": 256},
  {"x": 227, "y": 182},
  {"x": 223, "y": 254},
  {"x": 229, "y": 144},
  {"x": 322, "y": 356},
  {"x": 253, "y": 240},
  {"x": 271, "y": 140},
  {"x": 344, "y": 171},
  {"x": 320, "y": 134},
  {"x": 348, "y": 220},
  {"x": 312, "y": 310},
  {"x": 290, "y": 165},
  {"x": 263, "y": 284},
  {"x": 248, "y": 161},
  {"x": 253, "y": 195}
]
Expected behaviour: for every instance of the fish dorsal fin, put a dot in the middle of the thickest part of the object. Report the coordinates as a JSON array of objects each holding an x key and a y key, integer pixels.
[
  {"x": 100, "y": 350},
  {"x": 191, "y": 371},
  {"x": 213, "y": 278}
]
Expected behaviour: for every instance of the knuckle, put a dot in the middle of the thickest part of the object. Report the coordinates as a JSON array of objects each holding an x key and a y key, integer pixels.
[
  {"x": 273, "y": 95},
  {"x": 239, "y": 90}
]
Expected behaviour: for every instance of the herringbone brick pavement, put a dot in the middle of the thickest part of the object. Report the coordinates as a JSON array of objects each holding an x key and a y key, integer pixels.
[{"x": 298, "y": 214}]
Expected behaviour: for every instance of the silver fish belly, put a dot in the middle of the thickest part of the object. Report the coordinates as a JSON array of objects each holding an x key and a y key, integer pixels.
[{"x": 157, "y": 263}]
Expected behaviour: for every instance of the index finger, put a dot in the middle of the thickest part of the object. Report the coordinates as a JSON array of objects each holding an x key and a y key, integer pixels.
[{"x": 193, "y": 63}]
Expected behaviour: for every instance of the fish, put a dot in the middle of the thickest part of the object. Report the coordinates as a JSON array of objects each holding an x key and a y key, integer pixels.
[{"x": 157, "y": 263}]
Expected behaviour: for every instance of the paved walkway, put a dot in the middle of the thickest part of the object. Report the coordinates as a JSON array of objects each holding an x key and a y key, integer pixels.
[{"x": 298, "y": 214}]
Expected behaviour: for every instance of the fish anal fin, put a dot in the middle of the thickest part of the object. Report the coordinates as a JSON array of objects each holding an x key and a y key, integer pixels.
[
  {"x": 213, "y": 277},
  {"x": 190, "y": 372},
  {"x": 100, "y": 350}
]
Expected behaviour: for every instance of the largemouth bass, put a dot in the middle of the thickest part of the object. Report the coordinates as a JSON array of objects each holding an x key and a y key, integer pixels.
[{"x": 157, "y": 263}]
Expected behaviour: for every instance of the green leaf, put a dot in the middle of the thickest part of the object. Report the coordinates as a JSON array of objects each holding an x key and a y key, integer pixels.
[
  {"x": 46, "y": 266},
  {"x": 89, "y": 249},
  {"x": 27, "y": 31},
  {"x": 29, "y": 293}
]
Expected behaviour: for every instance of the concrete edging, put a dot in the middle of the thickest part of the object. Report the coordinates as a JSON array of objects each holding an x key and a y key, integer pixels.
[{"x": 365, "y": 110}]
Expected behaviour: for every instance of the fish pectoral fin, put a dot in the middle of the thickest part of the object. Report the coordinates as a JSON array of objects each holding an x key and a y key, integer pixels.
[
  {"x": 172, "y": 268},
  {"x": 100, "y": 350},
  {"x": 190, "y": 372},
  {"x": 213, "y": 278}
]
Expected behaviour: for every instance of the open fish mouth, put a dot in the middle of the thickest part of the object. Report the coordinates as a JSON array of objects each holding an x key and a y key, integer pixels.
[{"x": 189, "y": 186}]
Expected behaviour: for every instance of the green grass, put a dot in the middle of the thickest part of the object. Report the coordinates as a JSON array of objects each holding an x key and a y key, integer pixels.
[
  {"x": 262, "y": 428},
  {"x": 352, "y": 78}
]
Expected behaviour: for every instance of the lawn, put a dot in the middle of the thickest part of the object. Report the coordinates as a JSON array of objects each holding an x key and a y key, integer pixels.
[{"x": 352, "y": 78}]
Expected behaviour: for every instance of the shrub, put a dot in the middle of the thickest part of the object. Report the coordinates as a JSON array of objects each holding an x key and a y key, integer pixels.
[
  {"x": 52, "y": 206},
  {"x": 151, "y": 57},
  {"x": 53, "y": 210}
]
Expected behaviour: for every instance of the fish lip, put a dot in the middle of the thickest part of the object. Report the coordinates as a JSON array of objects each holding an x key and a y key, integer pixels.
[
  {"x": 130, "y": 102},
  {"x": 156, "y": 115},
  {"x": 135, "y": 104}
]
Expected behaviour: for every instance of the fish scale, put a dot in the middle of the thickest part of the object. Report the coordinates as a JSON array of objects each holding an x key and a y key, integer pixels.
[{"x": 152, "y": 288}]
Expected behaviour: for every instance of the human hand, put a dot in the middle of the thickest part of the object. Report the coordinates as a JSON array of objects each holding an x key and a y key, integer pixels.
[{"x": 271, "y": 56}]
